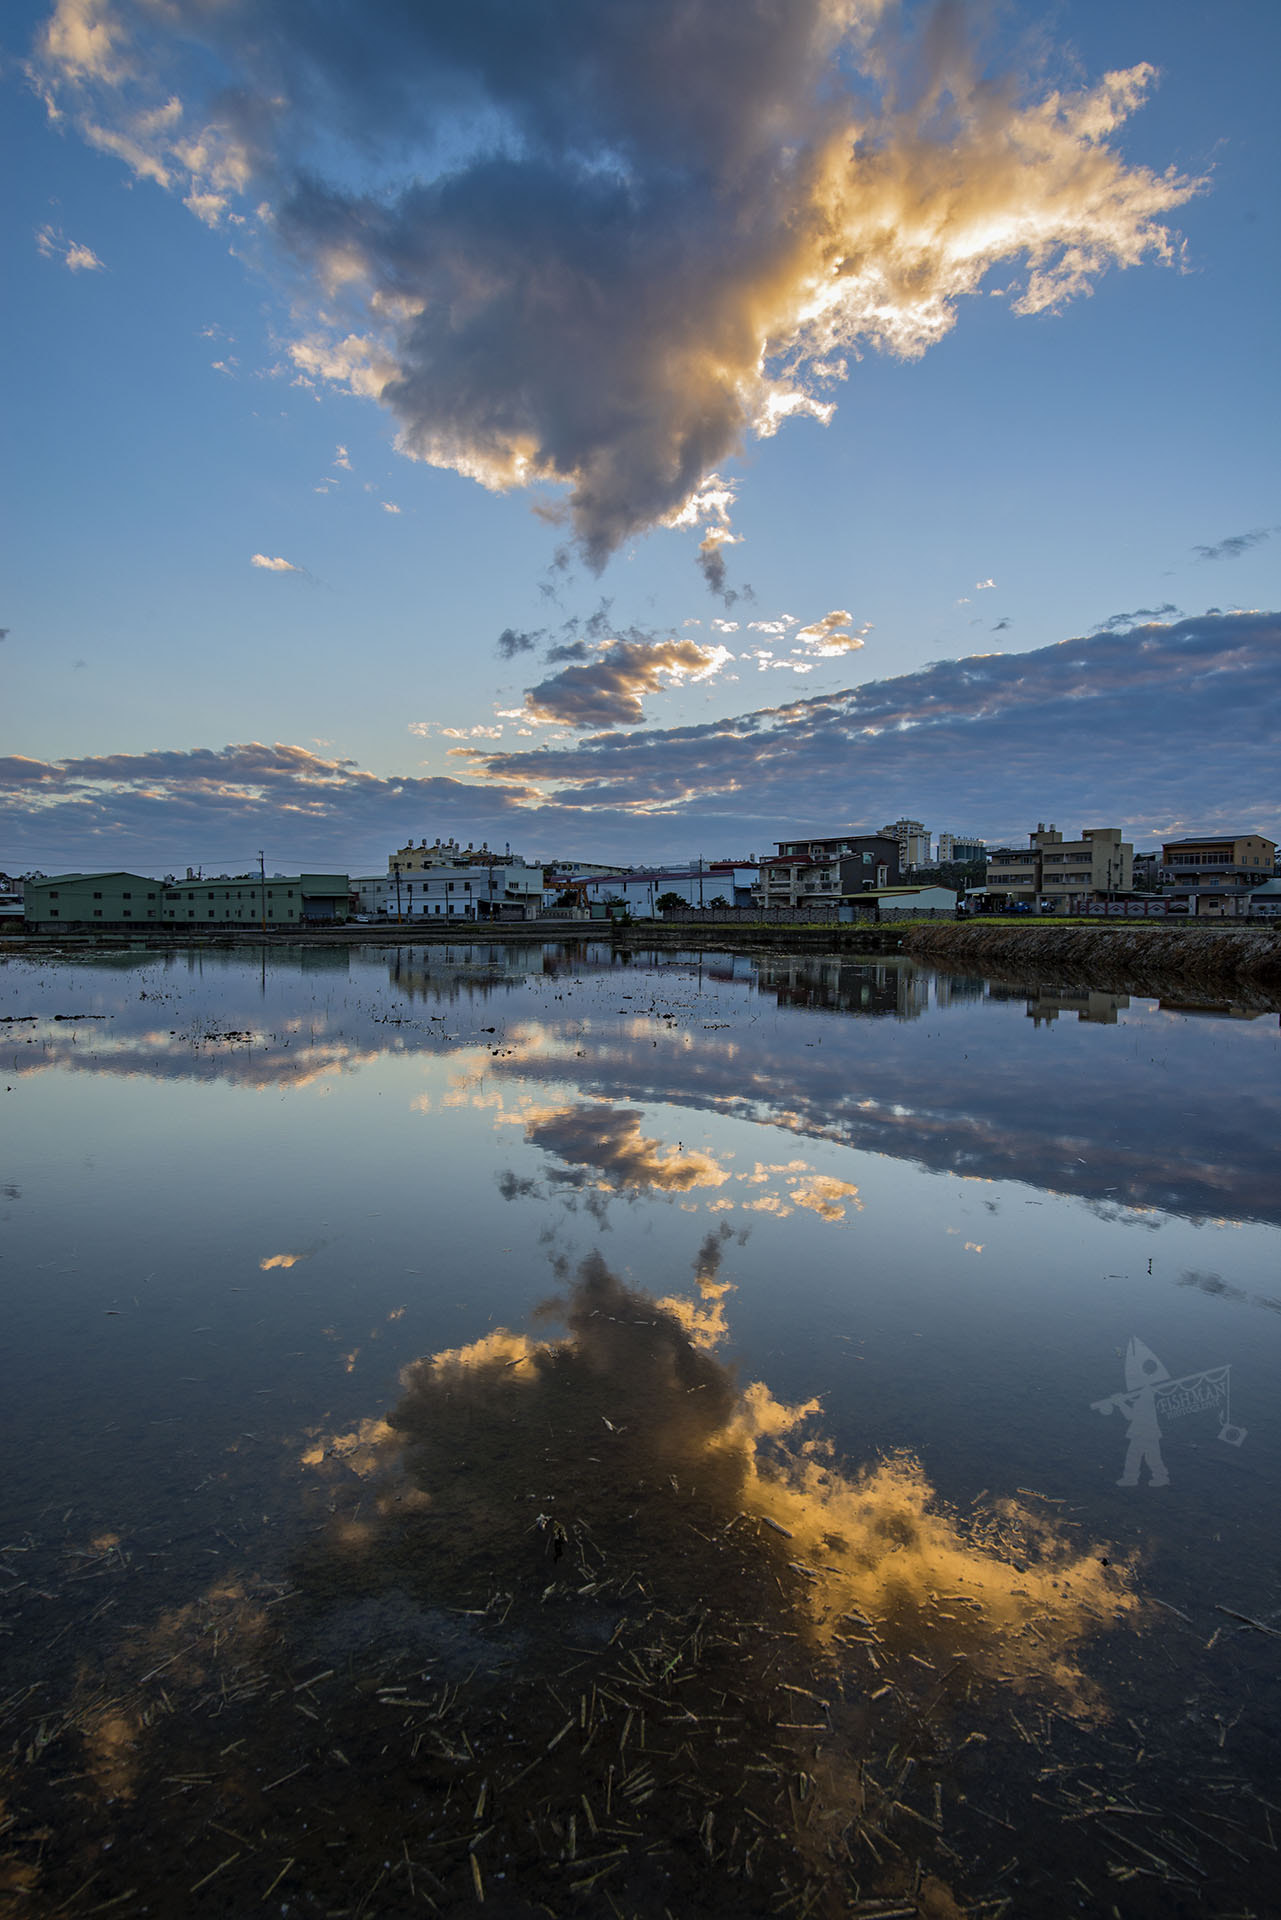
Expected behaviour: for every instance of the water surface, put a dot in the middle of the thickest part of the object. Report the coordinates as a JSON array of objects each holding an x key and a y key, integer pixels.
[{"x": 606, "y": 1434}]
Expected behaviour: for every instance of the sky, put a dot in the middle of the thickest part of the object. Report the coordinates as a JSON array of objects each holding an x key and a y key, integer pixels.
[{"x": 634, "y": 433}]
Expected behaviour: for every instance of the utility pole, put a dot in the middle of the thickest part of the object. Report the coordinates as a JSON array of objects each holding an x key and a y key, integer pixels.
[{"x": 262, "y": 892}]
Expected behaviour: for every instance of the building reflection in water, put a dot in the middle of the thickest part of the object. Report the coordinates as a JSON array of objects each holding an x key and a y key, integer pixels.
[
  {"x": 845, "y": 986},
  {"x": 1098, "y": 1009}
]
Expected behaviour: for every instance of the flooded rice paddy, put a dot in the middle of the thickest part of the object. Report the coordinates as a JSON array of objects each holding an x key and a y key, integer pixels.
[{"x": 582, "y": 1434}]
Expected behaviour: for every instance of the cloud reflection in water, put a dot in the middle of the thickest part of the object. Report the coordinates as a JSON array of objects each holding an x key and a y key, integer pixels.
[{"x": 596, "y": 1137}]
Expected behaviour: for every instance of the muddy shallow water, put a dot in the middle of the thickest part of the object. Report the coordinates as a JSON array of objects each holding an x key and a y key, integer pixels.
[{"x": 579, "y": 1433}]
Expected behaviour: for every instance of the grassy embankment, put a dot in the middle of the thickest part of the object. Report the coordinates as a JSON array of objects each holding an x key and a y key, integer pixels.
[{"x": 1243, "y": 963}]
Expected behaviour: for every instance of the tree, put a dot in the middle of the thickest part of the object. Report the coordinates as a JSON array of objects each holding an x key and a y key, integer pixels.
[
  {"x": 719, "y": 901},
  {"x": 670, "y": 902}
]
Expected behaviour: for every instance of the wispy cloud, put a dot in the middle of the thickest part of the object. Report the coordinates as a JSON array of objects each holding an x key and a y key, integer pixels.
[
  {"x": 1120, "y": 622},
  {"x": 276, "y": 565},
  {"x": 611, "y": 243},
  {"x": 1235, "y": 544},
  {"x": 73, "y": 254},
  {"x": 832, "y": 635},
  {"x": 511, "y": 641}
]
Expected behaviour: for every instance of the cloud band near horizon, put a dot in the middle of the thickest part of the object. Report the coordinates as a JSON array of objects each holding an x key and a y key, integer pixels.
[{"x": 1161, "y": 730}]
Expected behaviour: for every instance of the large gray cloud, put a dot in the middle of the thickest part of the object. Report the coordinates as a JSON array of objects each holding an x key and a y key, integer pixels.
[
  {"x": 1158, "y": 729},
  {"x": 596, "y": 243}
]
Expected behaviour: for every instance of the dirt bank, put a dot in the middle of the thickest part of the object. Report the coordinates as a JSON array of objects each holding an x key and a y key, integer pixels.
[{"x": 1241, "y": 963}]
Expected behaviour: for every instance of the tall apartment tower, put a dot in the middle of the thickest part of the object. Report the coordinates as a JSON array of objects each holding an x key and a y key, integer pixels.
[{"x": 913, "y": 842}]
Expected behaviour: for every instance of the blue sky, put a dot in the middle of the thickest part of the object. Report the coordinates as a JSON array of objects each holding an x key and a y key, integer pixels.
[{"x": 572, "y": 259}]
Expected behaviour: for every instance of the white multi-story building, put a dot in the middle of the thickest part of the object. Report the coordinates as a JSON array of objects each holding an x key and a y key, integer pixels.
[{"x": 443, "y": 891}]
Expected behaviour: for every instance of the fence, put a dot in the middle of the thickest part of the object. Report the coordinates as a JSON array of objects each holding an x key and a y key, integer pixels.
[{"x": 821, "y": 913}]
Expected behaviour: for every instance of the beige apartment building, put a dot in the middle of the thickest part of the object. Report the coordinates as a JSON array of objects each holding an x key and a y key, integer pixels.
[
  {"x": 913, "y": 842},
  {"x": 1054, "y": 875},
  {"x": 1222, "y": 860}
]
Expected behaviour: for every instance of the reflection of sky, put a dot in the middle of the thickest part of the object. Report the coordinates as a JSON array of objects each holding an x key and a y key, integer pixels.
[
  {"x": 905, "y": 1203},
  {"x": 930, "y": 1166},
  {"x": 1158, "y": 1110}
]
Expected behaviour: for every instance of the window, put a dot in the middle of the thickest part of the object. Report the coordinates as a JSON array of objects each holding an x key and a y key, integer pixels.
[
  {"x": 53, "y": 913},
  {"x": 97, "y": 912},
  {"x": 211, "y": 893},
  {"x": 97, "y": 896},
  {"x": 126, "y": 913},
  {"x": 126, "y": 896},
  {"x": 53, "y": 894},
  {"x": 151, "y": 896}
]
